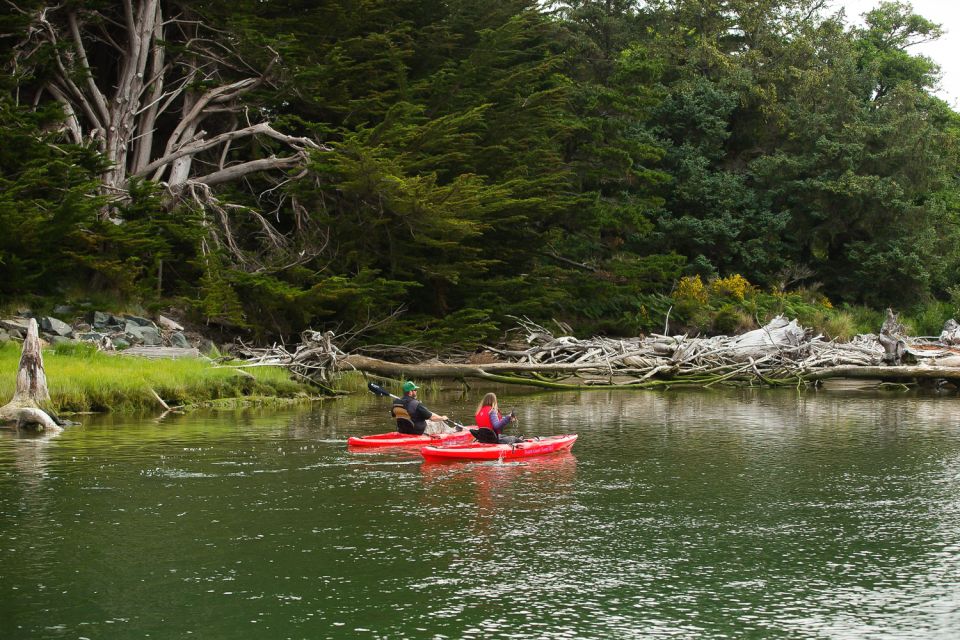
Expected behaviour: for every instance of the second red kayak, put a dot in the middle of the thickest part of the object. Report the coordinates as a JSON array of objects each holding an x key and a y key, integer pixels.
[
  {"x": 480, "y": 451},
  {"x": 396, "y": 439}
]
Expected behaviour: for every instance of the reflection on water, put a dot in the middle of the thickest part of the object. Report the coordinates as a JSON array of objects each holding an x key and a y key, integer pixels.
[
  {"x": 31, "y": 455},
  {"x": 494, "y": 490},
  {"x": 693, "y": 514}
]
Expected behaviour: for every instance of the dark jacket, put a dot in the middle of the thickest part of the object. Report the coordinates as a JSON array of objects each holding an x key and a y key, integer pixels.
[{"x": 418, "y": 414}]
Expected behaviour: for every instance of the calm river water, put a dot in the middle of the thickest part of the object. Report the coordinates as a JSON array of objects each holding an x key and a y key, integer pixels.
[{"x": 707, "y": 514}]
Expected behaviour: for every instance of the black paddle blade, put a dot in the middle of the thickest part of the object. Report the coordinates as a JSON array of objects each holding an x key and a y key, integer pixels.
[{"x": 380, "y": 391}]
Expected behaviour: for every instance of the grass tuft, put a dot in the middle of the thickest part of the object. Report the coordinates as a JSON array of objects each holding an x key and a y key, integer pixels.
[{"x": 837, "y": 325}]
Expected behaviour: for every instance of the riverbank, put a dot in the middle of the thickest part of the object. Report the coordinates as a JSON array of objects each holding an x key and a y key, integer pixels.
[{"x": 82, "y": 379}]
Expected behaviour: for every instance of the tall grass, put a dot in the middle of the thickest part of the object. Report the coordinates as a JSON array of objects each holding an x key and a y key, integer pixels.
[
  {"x": 865, "y": 320},
  {"x": 82, "y": 379},
  {"x": 928, "y": 319},
  {"x": 354, "y": 381},
  {"x": 836, "y": 325}
]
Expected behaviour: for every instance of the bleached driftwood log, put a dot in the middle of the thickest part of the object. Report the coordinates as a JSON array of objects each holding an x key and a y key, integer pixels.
[
  {"x": 778, "y": 333},
  {"x": 25, "y": 409}
]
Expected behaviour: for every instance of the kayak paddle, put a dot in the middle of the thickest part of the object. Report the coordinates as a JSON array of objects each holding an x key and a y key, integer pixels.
[{"x": 380, "y": 391}]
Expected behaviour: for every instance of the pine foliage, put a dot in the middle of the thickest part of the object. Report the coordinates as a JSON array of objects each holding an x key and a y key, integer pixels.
[{"x": 578, "y": 160}]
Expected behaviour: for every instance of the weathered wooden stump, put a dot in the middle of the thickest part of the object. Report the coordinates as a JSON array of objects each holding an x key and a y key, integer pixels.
[
  {"x": 25, "y": 410},
  {"x": 891, "y": 338}
]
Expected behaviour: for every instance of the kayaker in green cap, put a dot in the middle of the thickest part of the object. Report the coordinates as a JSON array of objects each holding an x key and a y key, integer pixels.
[{"x": 410, "y": 414}]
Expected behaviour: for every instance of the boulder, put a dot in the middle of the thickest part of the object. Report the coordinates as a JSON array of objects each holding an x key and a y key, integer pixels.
[
  {"x": 141, "y": 321},
  {"x": 90, "y": 336},
  {"x": 55, "y": 327},
  {"x": 15, "y": 324},
  {"x": 149, "y": 336},
  {"x": 179, "y": 340},
  {"x": 56, "y": 339},
  {"x": 207, "y": 347},
  {"x": 4, "y": 336},
  {"x": 62, "y": 310},
  {"x": 120, "y": 343},
  {"x": 101, "y": 320}
]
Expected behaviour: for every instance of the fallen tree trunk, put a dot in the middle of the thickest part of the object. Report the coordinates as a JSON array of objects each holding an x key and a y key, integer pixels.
[
  {"x": 25, "y": 409},
  {"x": 537, "y": 375},
  {"x": 901, "y": 373},
  {"x": 456, "y": 370},
  {"x": 592, "y": 377}
]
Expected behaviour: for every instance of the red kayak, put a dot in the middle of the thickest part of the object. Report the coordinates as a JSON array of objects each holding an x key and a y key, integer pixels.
[
  {"x": 396, "y": 439},
  {"x": 480, "y": 451}
]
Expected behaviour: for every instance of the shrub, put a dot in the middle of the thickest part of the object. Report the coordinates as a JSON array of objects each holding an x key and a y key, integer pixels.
[
  {"x": 735, "y": 286},
  {"x": 865, "y": 319},
  {"x": 691, "y": 288},
  {"x": 836, "y": 325},
  {"x": 730, "y": 320},
  {"x": 928, "y": 319}
]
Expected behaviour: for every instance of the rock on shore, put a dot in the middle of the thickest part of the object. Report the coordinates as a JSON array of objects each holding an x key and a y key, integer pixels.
[{"x": 109, "y": 331}]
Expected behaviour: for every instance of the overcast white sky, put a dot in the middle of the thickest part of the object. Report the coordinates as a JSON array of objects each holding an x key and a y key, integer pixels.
[{"x": 945, "y": 51}]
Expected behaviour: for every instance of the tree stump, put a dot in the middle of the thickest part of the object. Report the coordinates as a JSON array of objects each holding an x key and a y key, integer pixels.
[
  {"x": 25, "y": 410},
  {"x": 891, "y": 338}
]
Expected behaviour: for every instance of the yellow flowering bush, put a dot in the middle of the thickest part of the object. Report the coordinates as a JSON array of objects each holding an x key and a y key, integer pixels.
[
  {"x": 692, "y": 288},
  {"x": 735, "y": 286}
]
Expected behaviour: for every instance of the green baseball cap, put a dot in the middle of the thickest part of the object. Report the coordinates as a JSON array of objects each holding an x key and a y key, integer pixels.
[{"x": 408, "y": 386}]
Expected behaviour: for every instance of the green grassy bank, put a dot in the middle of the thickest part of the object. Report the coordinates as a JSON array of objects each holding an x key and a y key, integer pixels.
[{"x": 82, "y": 379}]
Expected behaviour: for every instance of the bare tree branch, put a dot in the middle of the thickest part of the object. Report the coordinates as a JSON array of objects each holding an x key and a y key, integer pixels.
[
  {"x": 196, "y": 146},
  {"x": 72, "y": 124},
  {"x": 236, "y": 171},
  {"x": 98, "y": 98}
]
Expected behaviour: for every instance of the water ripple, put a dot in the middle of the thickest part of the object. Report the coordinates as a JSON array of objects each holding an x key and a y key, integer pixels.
[{"x": 723, "y": 514}]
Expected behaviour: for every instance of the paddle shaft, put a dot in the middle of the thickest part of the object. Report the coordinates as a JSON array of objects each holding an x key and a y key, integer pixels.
[{"x": 380, "y": 391}]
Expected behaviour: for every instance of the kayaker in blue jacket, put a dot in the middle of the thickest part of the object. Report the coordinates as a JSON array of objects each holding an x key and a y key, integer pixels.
[
  {"x": 410, "y": 414},
  {"x": 488, "y": 418}
]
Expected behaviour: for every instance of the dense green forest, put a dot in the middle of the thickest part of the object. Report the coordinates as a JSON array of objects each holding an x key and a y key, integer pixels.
[{"x": 418, "y": 171}]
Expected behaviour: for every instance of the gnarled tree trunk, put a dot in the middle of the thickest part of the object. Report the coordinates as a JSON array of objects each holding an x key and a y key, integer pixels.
[
  {"x": 162, "y": 96},
  {"x": 25, "y": 409}
]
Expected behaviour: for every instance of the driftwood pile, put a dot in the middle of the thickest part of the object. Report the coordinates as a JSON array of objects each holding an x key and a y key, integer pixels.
[
  {"x": 315, "y": 359},
  {"x": 780, "y": 353}
]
